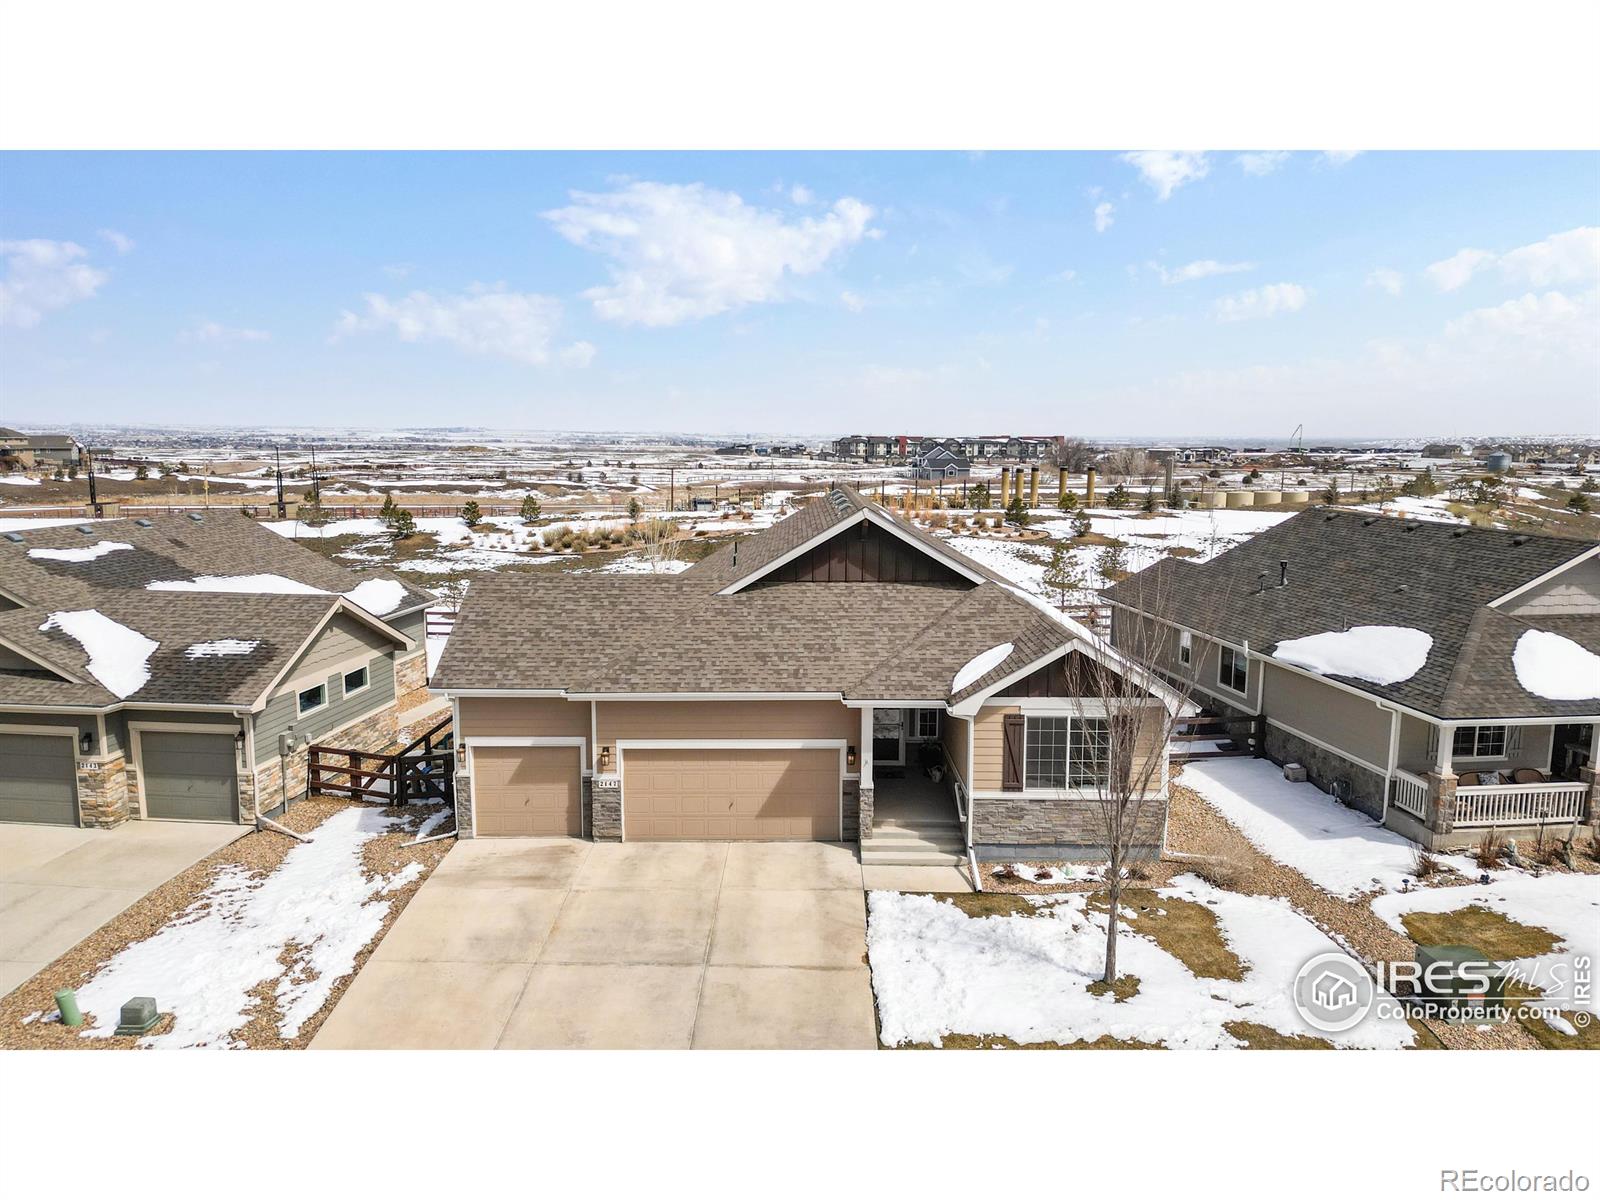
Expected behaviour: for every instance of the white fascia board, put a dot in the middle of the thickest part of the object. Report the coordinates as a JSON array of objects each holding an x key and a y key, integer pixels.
[
  {"x": 693, "y": 696},
  {"x": 455, "y": 693},
  {"x": 924, "y": 703},
  {"x": 844, "y": 523}
]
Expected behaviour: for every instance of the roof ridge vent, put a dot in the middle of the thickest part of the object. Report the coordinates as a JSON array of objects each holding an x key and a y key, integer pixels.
[
  {"x": 1411, "y": 526},
  {"x": 85, "y": 529},
  {"x": 15, "y": 537},
  {"x": 1369, "y": 520},
  {"x": 142, "y": 522},
  {"x": 195, "y": 517},
  {"x": 1520, "y": 540}
]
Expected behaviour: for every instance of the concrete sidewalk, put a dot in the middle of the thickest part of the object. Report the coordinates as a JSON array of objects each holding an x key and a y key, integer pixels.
[
  {"x": 58, "y": 885},
  {"x": 558, "y": 943}
]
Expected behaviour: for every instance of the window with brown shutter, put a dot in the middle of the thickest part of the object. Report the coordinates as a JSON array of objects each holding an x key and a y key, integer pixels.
[{"x": 1012, "y": 727}]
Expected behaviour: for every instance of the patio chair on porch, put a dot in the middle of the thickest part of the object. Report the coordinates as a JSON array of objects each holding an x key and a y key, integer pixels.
[
  {"x": 1469, "y": 779},
  {"x": 1529, "y": 775}
]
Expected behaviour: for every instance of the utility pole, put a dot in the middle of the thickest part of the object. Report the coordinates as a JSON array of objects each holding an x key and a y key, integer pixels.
[
  {"x": 94, "y": 493},
  {"x": 283, "y": 510},
  {"x": 672, "y": 489}
]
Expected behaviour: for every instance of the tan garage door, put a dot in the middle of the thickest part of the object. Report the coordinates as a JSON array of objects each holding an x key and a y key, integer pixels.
[
  {"x": 527, "y": 791},
  {"x": 717, "y": 795}
]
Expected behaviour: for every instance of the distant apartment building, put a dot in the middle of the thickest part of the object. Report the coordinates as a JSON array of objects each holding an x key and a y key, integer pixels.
[{"x": 910, "y": 447}]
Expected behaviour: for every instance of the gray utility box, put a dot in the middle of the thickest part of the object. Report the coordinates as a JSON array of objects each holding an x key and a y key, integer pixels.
[
  {"x": 1451, "y": 990},
  {"x": 138, "y": 1016}
]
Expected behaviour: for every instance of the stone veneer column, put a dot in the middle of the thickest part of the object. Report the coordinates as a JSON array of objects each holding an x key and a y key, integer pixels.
[
  {"x": 864, "y": 794},
  {"x": 605, "y": 807},
  {"x": 463, "y": 805},
  {"x": 102, "y": 792},
  {"x": 852, "y": 811},
  {"x": 1441, "y": 801},
  {"x": 411, "y": 682},
  {"x": 1591, "y": 776}
]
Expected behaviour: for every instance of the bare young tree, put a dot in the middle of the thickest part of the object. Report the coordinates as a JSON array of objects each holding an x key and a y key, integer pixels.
[
  {"x": 1122, "y": 726},
  {"x": 1075, "y": 454},
  {"x": 1128, "y": 463},
  {"x": 658, "y": 539}
]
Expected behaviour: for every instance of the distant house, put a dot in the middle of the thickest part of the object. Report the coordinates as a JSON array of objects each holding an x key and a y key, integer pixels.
[
  {"x": 1438, "y": 677},
  {"x": 941, "y": 462},
  {"x": 1445, "y": 450},
  {"x": 175, "y": 668},
  {"x": 735, "y": 448},
  {"x": 40, "y": 451}
]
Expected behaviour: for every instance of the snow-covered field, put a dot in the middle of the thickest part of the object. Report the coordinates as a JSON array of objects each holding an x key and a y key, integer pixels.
[
  {"x": 937, "y": 971},
  {"x": 1337, "y": 848},
  {"x": 1566, "y": 905},
  {"x": 318, "y": 905}
]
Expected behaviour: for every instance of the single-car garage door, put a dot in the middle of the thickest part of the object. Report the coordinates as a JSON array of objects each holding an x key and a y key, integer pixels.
[
  {"x": 527, "y": 791},
  {"x": 37, "y": 780},
  {"x": 188, "y": 776},
  {"x": 730, "y": 795}
]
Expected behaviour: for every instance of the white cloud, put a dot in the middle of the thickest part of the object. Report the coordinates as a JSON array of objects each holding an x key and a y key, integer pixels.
[
  {"x": 120, "y": 242},
  {"x": 483, "y": 320},
  {"x": 1561, "y": 258},
  {"x": 1338, "y": 158},
  {"x": 1168, "y": 170},
  {"x": 1202, "y": 269},
  {"x": 1570, "y": 257},
  {"x": 579, "y": 354},
  {"x": 42, "y": 276},
  {"x": 1552, "y": 320},
  {"x": 1261, "y": 162},
  {"x": 801, "y": 194},
  {"x": 1066, "y": 276},
  {"x": 852, "y": 301},
  {"x": 398, "y": 270},
  {"x": 212, "y": 332},
  {"x": 1103, "y": 220},
  {"x": 1261, "y": 302},
  {"x": 679, "y": 252},
  {"x": 1451, "y": 273},
  {"x": 1386, "y": 279}
]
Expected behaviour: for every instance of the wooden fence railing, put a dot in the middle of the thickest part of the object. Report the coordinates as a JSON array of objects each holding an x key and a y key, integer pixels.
[{"x": 386, "y": 778}]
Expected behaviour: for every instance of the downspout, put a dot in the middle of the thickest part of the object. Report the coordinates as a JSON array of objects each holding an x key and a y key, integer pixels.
[
  {"x": 1394, "y": 756},
  {"x": 972, "y": 810}
]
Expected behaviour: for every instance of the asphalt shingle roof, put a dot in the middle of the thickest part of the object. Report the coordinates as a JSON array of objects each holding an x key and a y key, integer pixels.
[{"x": 1347, "y": 569}]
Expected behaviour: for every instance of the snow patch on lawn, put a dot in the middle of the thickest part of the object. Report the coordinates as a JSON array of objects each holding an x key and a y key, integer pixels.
[
  {"x": 937, "y": 971},
  {"x": 1380, "y": 654},
  {"x": 1340, "y": 850},
  {"x": 223, "y": 648},
  {"x": 118, "y": 656},
  {"x": 1555, "y": 667},
  {"x": 639, "y": 564},
  {"x": 981, "y": 665},
  {"x": 79, "y": 553},
  {"x": 203, "y": 966},
  {"x": 1566, "y": 905}
]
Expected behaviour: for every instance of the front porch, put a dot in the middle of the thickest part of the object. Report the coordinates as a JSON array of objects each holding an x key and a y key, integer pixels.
[
  {"x": 907, "y": 817},
  {"x": 1511, "y": 777}
]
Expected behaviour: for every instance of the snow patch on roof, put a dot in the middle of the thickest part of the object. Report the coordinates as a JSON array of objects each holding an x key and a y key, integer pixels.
[
  {"x": 1555, "y": 667},
  {"x": 273, "y": 584},
  {"x": 118, "y": 656},
  {"x": 1380, "y": 654},
  {"x": 224, "y": 648},
  {"x": 79, "y": 553},
  {"x": 377, "y": 596},
  {"x": 980, "y": 666}
]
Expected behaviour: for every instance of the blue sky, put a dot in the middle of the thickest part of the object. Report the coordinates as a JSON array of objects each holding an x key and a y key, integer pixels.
[{"x": 1094, "y": 293}]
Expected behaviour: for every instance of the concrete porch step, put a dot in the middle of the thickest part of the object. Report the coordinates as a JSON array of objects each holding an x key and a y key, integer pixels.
[
  {"x": 902, "y": 856},
  {"x": 891, "y": 828}
]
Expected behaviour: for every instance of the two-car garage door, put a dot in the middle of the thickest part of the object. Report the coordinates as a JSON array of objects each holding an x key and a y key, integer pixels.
[
  {"x": 730, "y": 795},
  {"x": 668, "y": 794}
]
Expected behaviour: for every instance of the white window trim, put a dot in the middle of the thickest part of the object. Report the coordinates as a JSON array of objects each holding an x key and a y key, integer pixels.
[
  {"x": 344, "y": 677},
  {"x": 1056, "y": 793},
  {"x": 1238, "y": 656},
  {"x": 1185, "y": 648},
  {"x": 1505, "y": 743},
  {"x": 916, "y": 721},
  {"x": 300, "y": 712}
]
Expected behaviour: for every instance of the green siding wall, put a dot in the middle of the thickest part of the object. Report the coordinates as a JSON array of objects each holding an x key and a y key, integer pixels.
[{"x": 280, "y": 713}]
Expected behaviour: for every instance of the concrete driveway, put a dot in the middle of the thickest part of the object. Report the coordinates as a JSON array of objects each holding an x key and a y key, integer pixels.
[
  {"x": 58, "y": 885},
  {"x": 556, "y": 943}
]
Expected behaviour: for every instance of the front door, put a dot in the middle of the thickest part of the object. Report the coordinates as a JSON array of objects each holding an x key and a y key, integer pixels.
[{"x": 888, "y": 736}]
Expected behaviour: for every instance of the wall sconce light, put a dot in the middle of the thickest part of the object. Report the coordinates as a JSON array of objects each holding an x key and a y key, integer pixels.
[
  {"x": 850, "y": 757},
  {"x": 605, "y": 759},
  {"x": 86, "y": 743}
]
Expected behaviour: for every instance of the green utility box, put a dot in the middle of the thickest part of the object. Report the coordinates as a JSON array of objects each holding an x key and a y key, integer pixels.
[{"x": 1451, "y": 990}]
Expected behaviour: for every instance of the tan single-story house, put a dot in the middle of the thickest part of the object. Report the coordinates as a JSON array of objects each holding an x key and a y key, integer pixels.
[
  {"x": 841, "y": 676},
  {"x": 177, "y": 667},
  {"x": 1439, "y": 677}
]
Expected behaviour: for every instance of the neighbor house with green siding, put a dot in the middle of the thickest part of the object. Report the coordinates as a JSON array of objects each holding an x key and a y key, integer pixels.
[{"x": 176, "y": 668}]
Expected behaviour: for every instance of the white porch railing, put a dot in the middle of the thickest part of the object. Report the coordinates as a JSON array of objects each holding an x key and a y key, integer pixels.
[
  {"x": 1519, "y": 804},
  {"x": 1410, "y": 794}
]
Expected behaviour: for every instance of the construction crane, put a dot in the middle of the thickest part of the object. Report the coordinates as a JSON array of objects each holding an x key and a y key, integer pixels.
[{"x": 1298, "y": 438}]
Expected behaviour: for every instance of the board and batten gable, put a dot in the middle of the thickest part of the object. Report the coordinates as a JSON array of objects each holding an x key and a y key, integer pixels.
[
  {"x": 1575, "y": 591},
  {"x": 415, "y": 626},
  {"x": 343, "y": 645}
]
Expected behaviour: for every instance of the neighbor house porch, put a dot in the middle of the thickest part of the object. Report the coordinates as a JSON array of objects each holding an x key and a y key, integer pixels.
[{"x": 1506, "y": 775}]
